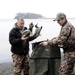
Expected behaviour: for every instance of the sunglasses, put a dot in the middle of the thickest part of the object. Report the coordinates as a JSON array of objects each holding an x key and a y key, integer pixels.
[{"x": 60, "y": 19}]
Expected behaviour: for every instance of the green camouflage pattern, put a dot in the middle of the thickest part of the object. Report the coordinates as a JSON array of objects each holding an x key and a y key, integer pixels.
[
  {"x": 59, "y": 16},
  {"x": 20, "y": 63},
  {"x": 63, "y": 35},
  {"x": 67, "y": 64}
]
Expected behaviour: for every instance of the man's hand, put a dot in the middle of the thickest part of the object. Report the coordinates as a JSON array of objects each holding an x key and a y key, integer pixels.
[
  {"x": 44, "y": 43},
  {"x": 24, "y": 38}
]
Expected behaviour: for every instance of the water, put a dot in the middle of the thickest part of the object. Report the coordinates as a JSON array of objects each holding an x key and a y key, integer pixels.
[{"x": 50, "y": 29}]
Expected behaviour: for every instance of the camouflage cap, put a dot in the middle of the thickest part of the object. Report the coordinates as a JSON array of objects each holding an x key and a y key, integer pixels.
[{"x": 59, "y": 16}]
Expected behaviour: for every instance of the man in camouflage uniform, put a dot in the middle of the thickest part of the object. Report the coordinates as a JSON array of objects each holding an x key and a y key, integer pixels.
[
  {"x": 20, "y": 52},
  {"x": 65, "y": 40}
]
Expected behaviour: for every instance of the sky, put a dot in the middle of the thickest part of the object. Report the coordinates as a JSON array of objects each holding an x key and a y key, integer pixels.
[{"x": 47, "y": 8}]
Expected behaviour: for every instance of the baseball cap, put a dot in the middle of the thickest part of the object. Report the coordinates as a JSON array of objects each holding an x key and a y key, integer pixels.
[{"x": 59, "y": 16}]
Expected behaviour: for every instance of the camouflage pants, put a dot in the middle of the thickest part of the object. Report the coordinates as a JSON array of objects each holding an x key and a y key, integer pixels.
[
  {"x": 67, "y": 63},
  {"x": 21, "y": 63}
]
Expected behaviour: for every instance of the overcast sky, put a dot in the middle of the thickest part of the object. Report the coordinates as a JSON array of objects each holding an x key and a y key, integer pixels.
[{"x": 47, "y": 8}]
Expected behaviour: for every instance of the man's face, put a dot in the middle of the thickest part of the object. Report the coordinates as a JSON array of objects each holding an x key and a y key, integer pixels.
[
  {"x": 61, "y": 21},
  {"x": 20, "y": 24}
]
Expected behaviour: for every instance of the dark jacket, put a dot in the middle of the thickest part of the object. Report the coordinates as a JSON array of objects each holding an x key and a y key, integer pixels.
[{"x": 16, "y": 42}]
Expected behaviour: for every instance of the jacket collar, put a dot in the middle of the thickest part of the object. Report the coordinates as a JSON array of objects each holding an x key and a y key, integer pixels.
[{"x": 64, "y": 23}]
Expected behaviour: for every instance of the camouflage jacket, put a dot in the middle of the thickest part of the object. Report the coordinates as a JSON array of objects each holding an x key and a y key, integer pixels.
[{"x": 67, "y": 33}]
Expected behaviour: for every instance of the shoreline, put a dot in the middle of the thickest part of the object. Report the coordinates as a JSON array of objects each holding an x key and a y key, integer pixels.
[{"x": 6, "y": 68}]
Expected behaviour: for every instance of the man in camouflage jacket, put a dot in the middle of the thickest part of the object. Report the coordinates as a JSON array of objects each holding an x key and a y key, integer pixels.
[{"x": 65, "y": 40}]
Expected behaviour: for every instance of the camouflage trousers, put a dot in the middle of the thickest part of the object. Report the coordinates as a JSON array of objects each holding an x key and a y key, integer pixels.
[
  {"x": 21, "y": 64},
  {"x": 67, "y": 63}
]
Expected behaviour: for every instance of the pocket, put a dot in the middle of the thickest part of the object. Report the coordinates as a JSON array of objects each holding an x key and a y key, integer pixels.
[
  {"x": 17, "y": 58},
  {"x": 67, "y": 46}
]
